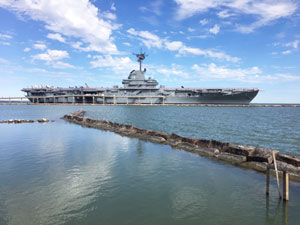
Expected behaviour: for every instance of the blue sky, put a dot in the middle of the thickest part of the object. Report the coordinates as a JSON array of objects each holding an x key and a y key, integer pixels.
[{"x": 191, "y": 43}]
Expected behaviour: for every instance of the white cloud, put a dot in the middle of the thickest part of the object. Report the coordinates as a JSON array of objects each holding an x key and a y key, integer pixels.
[
  {"x": 62, "y": 65},
  {"x": 174, "y": 45},
  {"x": 154, "y": 7},
  {"x": 109, "y": 15},
  {"x": 224, "y": 14},
  {"x": 214, "y": 72},
  {"x": 4, "y": 61},
  {"x": 175, "y": 70},
  {"x": 208, "y": 53},
  {"x": 249, "y": 75},
  {"x": 203, "y": 22},
  {"x": 51, "y": 55},
  {"x": 215, "y": 29},
  {"x": 117, "y": 64},
  {"x": 127, "y": 44},
  {"x": 149, "y": 39},
  {"x": 4, "y": 43},
  {"x": 27, "y": 49},
  {"x": 265, "y": 11},
  {"x": 152, "y": 40},
  {"x": 293, "y": 44},
  {"x": 81, "y": 20},
  {"x": 53, "y": 59},
  {"x": 5, "y": 36},
  {"x": 56, "y": 36},
  {"x": 113, "y": 7},
  {"x": 190, "y": 29},
  {"x": 40, "y": 46},
  {"x": 287, "y": 52}
]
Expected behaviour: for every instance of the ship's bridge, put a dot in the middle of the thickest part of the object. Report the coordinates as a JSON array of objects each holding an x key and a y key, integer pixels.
[{"x": 136, "y": 78}]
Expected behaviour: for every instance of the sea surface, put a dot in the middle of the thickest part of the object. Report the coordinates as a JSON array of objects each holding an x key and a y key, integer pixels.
[{"x": 62, "y": 173}]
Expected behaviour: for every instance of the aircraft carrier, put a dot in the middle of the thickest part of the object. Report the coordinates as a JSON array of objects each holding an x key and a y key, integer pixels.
[{"x": 139, "y": 90}]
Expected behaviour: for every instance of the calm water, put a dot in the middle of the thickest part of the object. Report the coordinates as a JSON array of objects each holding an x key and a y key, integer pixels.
[{"x": 61, "y": 173}]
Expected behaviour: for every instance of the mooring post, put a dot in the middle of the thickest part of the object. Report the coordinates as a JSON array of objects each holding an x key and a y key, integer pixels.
[
  {"x": 285, "y": 186},
  {"x": 268, "y": 180},
  {"x": 277, "y": 176}
]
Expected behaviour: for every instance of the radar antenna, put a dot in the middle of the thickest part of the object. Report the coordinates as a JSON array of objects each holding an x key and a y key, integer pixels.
[{"x": 141, "y": 56}]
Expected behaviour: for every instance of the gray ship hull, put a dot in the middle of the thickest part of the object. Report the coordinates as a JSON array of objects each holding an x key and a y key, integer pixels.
[{"x": 141, "y": 96}]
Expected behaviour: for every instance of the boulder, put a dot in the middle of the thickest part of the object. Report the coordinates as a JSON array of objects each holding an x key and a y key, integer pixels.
[
  {"x": 43, "y": 120},
  {"x": 288, "y": 159},
  {"x": 262, "y": 155},
  {"x": 239, "y": 149}
]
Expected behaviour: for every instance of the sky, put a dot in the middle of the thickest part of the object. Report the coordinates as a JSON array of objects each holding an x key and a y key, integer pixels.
[{"x": 190, "y": 43}]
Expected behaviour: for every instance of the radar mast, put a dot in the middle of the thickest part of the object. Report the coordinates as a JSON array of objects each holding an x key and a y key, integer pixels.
[{"x": 141, "y": 56}]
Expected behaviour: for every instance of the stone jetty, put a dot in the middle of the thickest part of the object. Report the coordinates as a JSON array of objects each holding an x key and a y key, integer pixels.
[
  {"x": 43, "y": 120},
  {"x": 249, "y": 157}
]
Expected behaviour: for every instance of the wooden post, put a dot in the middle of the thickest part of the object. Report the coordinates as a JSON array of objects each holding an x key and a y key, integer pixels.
[
  {"x": 277, "y": 177},
  {"x": 127, "y": 100},
  {"x": 285, "y": 186},
  {"x": 94, "y": 99},
  {"x": 115, "y": 99},
  {"x": 268, "y": 180}
]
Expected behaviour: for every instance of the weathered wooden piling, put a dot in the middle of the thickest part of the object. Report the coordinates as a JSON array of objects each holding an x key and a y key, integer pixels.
[
  {"x": 285, "y": 186},
  {"x": 277, "y": 176},
  {"x": 268, "y": 180}
]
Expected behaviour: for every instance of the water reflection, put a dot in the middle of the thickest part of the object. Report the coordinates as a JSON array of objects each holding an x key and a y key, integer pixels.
[
  {"x": 273, "y": 214},
  {"x": 189, "y": 202},
  {"x": 62, "y": 181},
  {"x": 139, "y": 147}
]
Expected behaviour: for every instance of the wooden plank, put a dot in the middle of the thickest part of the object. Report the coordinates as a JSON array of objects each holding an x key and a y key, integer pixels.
[{"x": 277, "y": 177}]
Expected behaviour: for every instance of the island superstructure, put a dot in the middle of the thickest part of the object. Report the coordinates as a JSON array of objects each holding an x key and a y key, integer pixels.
[{"x": 139, "y": 90}]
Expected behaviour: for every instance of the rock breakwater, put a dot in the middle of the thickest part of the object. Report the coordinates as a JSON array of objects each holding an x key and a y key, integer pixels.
[
  {"x": 243, "y": 156},
  {"x": 43, "y": 120}
]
